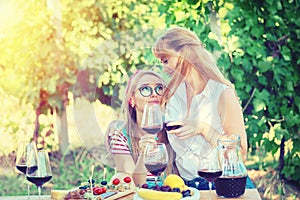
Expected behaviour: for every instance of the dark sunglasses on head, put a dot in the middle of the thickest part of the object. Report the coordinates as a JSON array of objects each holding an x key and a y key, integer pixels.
[{"x": 147, "y": 91}]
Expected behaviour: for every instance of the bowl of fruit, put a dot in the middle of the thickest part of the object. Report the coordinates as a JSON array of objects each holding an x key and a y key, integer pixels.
[{"x": 173, "y": 188}]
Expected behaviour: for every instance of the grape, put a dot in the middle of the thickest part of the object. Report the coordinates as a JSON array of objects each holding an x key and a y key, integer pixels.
[
  {"x": 145, "y": 185},
  {"x": 176, "y": 190},
  {"x": 166, "y": 188},
  {"x": 186, "y": 193},
  {"x": 156, "y": 187}
]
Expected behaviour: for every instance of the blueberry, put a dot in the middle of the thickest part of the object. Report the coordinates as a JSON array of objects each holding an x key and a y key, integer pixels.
[
  {"x": 145, "y": 185},
  {"x": 93, "y": 181},
  {"x": 186, "y": 193},
  {"x": 104, "y": 182},
  {"x": 83, "y": 187},
  {"x": 176, "y": 190}
]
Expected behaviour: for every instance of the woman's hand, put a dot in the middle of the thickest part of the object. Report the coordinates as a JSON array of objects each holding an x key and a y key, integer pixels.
[
  {"x": 187, "y": 128},
  {"x": 191, "y": 128},
  {"x": 146, "y": 139}
]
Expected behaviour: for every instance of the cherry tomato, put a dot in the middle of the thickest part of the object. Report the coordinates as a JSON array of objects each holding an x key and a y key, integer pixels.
[
  {"x": 98, "y": 190},
  {"x": 127, "y": 179},
  {"x": 116, "y": 181},
  {"x": 103, "y": 189}
]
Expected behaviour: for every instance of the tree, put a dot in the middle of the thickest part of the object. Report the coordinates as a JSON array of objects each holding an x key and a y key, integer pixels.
[{"x": 96, "y": 46}]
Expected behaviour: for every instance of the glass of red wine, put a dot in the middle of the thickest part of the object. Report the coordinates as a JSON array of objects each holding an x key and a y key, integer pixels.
[
  {"x": 156, "y": 159},
  {"x": 39, "y": 169},
  {"x": 152, "y": 121},
  {"x": 23, "y": 152},
  {"x": 210, "y": 167},
  {"x": 172, "y": 114}
]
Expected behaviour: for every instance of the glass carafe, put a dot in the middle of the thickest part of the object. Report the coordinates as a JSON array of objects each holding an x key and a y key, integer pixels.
[{"x": 232, "y": 182}]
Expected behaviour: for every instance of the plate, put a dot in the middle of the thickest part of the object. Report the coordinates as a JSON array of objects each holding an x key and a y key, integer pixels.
[{"x": 196, "y": 195}]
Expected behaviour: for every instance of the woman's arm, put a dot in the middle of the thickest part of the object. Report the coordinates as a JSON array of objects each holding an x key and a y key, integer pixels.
[
  {"x": 232, "y": 117},
  {"x": 119, "y": 147}
]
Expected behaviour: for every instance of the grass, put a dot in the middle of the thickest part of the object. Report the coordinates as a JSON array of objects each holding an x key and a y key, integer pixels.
[{"x": 69, "y": 171}]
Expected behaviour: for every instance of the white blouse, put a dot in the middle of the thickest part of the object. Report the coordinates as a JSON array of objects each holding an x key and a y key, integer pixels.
[{"x": 204, "y": 106}]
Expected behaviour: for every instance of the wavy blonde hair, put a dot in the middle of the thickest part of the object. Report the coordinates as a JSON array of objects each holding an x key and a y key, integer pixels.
[{"x": 192, "y": 53}]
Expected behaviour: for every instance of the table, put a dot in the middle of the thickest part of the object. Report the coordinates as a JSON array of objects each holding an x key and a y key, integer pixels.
[{"x": 250, "y": 194}]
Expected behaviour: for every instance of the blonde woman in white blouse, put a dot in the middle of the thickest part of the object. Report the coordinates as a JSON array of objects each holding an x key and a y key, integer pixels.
[{"x": 201, "y": 96}]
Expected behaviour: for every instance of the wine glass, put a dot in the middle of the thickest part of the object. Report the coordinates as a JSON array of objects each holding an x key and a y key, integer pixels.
[
  {"x": 173, "y": 114},
  {"x": 210, "y": 167},
  {"x": 156, "y": 159},
  {"x": 38, "y": 169},
  {"x": 152, "y": 121},
  {"x": 23, "y": 152}
]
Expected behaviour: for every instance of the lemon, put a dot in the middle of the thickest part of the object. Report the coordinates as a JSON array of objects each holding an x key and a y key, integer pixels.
[{"x": 174, "y": 181}]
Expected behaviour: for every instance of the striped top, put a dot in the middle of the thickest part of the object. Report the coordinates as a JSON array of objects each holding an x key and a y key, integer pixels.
[{"x": 118, "y": 143}]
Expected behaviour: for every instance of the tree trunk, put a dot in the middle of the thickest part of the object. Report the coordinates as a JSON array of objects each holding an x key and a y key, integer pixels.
[
  {"x": 281, "y": 157},
  {"x": 62, "y": 131},
  {"x": 62, "y": 121}
]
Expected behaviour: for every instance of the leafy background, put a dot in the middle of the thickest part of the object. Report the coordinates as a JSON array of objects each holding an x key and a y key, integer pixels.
[{"x": 54, "y": 53}]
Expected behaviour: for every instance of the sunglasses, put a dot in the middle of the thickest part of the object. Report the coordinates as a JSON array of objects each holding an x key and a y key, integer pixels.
[{"x": 147, "y": 91}]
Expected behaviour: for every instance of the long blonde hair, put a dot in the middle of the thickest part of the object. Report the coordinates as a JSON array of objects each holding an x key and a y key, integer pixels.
[
  {"x": 130, "y": 113},
  {"x": 192, "y": 53}
]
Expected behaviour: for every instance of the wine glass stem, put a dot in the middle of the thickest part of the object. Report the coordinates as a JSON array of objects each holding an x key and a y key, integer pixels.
[
  {"x": 210, "y": 187},
  {"x": 28, "y": 191},
  {"x": 39, "y": 190}
]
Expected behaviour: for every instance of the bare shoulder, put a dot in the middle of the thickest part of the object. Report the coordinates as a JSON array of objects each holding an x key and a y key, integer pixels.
[{"x": 228, "y": 99}]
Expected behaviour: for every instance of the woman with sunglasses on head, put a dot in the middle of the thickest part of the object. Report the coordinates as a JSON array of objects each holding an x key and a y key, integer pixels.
[
  {"x": 126, "y": 139},
  {"x": 200, "y": 93}
]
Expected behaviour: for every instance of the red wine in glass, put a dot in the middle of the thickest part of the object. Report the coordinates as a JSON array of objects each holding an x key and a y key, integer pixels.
[
  {"x": 152, "y": 120},
  {"x": 39, "y": 181},
  {"x": 152, "y": 129},
  {"x": 156, "y": 159},
  {"x": 169, "y": 128},
  {"x": 210, "y": 167},
  {"x": 156, "y": 168},
  {"x": 39, "y": 169},
  {"x": 25, "y": 148},
  {"x": 22, "y": 168},
  {"x": 210, "y": 175}
]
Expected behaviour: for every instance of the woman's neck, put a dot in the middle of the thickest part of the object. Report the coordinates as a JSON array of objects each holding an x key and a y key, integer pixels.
[{"x": 196, "y": 82}]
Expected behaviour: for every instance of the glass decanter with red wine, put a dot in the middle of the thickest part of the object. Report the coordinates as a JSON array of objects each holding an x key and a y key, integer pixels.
[
  {"x": 39, "y": 169},
  {"x": 156, "y": 159},
  {"x": 210, "y": 167},
  {"x": 152, "y": 121},
  {"x": 23, "y": 152},
  {"x": 232, "y": 183}
]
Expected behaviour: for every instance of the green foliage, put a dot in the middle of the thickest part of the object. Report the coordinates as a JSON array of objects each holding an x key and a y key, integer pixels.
[
  {"x": 265, "y": 65},
  {"x": 259, "y": 57}
]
